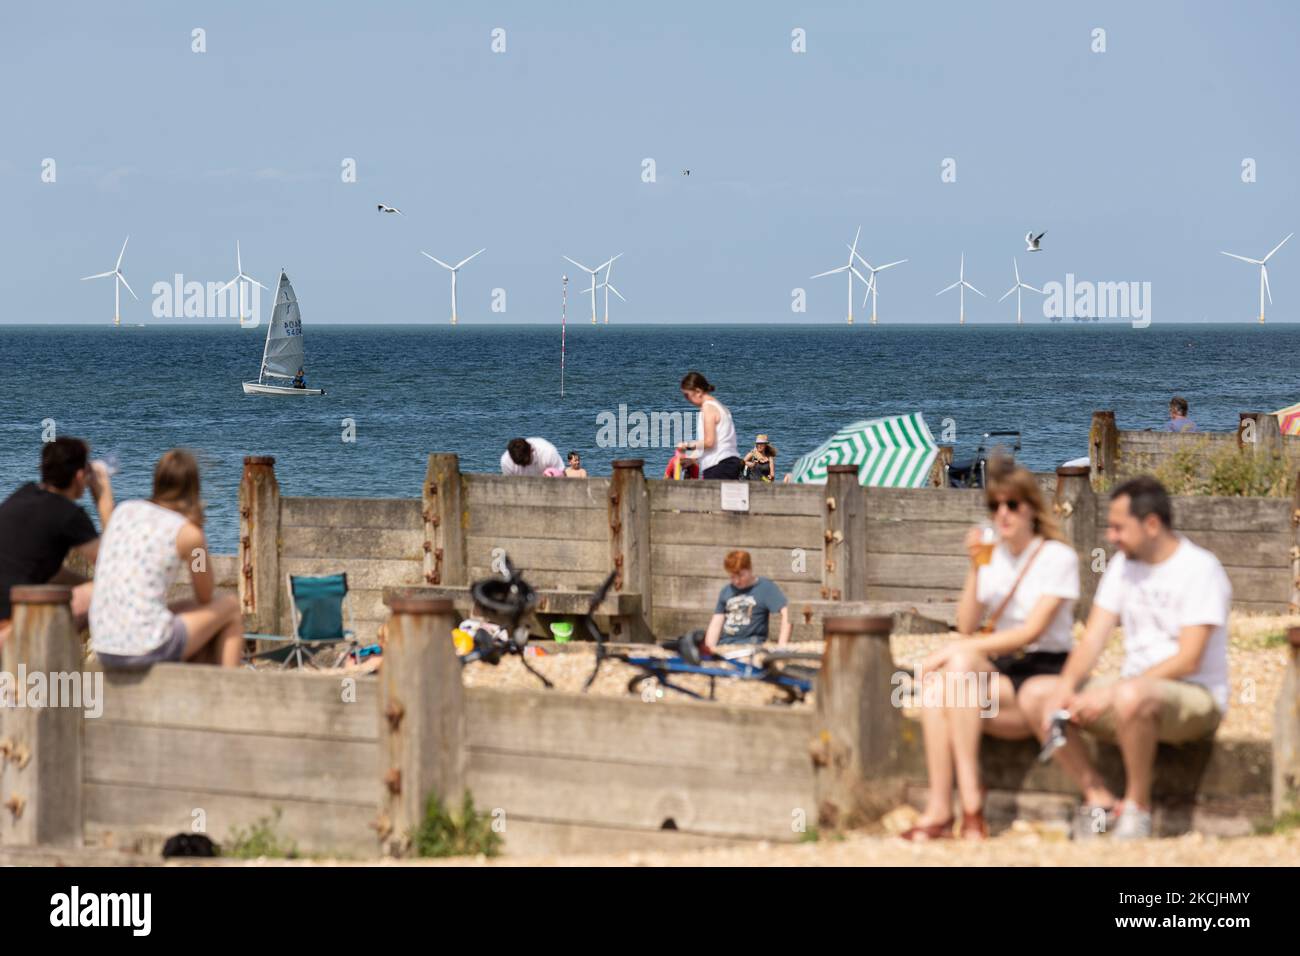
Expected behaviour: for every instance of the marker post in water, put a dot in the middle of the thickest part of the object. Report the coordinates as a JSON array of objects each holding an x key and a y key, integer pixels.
[{"x": 564, "y": 305}]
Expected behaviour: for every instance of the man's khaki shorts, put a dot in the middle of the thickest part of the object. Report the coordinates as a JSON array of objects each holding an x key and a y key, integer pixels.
[{"x": 1187, "y": 712}]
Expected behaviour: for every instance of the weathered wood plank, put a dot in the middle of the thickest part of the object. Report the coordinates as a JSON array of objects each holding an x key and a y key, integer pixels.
[
  {"x": 255, "y": 765},
  {"x": 1194, "y": 512},
  {"x": 525, "y": 837},
  {"x": 491, "y": 491},
  {"x": 779, "y": 564},
  {"x": 315, "y": 541},
  {"x": 507, "y": 523},
  {"x": 123, "y": 815},
  {"x": 584, "y": 582},
  {"x": 702, "y": 592},
  {"x": 364, "y": 574},
  {"x": 764, "y": 499},
  {"x": 285, "y": 704},
  {"x": 663, "y": 734},
  {"x": 1246, "y": 549},
  {"x": 926, "y": 504},
  {"x": 903, "y": 536},
  {"x": 1260, "y": 584},
  {"x": 737, "y": 529},
  {"x": 937, "y": 571},
  {"x": 400, "y": 513},
  {"x": 695, "y": 799},
  {"x": 541, "y": 554}
]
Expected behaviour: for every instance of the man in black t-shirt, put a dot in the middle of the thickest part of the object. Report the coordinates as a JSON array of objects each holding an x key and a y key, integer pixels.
[{"x": 41, "y": 522}]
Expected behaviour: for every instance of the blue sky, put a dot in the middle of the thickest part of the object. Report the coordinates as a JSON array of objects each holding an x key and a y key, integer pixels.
[{"x": 1130, "y": 159}]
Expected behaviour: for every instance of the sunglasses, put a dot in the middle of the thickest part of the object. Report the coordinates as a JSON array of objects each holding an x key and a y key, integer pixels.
[{"x": 1012, "y": 504}]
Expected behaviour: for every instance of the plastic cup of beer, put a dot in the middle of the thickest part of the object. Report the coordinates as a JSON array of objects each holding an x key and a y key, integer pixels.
[{"x": 988, "y": 539}]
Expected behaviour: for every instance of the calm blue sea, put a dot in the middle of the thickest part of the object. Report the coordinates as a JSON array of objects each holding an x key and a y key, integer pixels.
[{"x": 412, "y": 390}]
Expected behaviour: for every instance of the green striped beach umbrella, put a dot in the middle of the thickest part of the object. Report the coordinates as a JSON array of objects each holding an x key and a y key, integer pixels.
[{"x": 894, "y": 452}]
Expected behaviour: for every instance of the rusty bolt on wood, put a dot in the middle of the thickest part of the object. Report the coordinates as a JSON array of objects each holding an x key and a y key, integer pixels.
[
  {"x": 15, "y": 805},
  {"x": 393, "y": 780},
  {"x": 394, "y": 712},
  {"x": 21, "y": 756}
]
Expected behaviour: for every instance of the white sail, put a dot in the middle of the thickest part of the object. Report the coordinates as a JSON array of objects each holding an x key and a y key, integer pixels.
[{"x": 283, "y": 355}]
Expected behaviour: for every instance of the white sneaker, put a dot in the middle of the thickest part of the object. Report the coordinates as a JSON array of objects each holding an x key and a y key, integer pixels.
[{"x": 1133, "y": 823}]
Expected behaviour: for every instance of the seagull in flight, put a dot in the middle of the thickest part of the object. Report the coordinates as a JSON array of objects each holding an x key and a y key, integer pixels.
[
  {"x": 1032, "y": 241},
  {"x": 383, "y": 208}
]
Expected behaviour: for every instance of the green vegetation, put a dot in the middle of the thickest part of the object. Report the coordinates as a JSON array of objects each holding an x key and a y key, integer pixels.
[
  {"x": 1229, "y": 472},
  {"x": 260, "y": 840},
  {"x": 467, "y": 833},
  {"x": 1284, "y": 824}
]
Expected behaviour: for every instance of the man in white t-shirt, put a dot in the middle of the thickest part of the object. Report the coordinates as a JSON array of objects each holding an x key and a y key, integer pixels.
[
  {"x": 530, "y": 456},
  {"x": 1172, "y": 599}
]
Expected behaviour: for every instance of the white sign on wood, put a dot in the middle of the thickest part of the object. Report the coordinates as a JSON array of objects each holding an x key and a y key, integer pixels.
[{"x": 735, "y": 496}]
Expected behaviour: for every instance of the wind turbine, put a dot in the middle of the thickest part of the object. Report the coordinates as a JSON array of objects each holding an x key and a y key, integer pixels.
[
  {"x": 241, "y": 277},
  {"x": 961, "y": 285},
  {"x": 592, "y": 290},
  {"x": 609, "y": 287},
  {"x": 453, "y": 270},
  {"x": 851, "y": 270},
  {"x": 873, "y": 289},
  {"x": 1016, "y": 289},
  {"x": 1263, "y": 274},
  {"x": 116, "y": 273}
]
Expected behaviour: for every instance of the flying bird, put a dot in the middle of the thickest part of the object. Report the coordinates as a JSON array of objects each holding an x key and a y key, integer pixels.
[
  {"x": 686, "y": 172},
  {"x": 383, "y": 208},
  {"x": 1032, "y": 241}
]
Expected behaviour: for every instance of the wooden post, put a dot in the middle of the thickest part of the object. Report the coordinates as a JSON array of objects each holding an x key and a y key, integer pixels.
[
  {"x": 856, "y": 747},
  {"x": 1295, "y": 548},
  {"x": 1286, "y": 734},
  {"x": 1259, "y": 432},
  {"x": 844, "y": 511},
  {"x": 1076, "y": 509},
  {"x": 940, "y": 466},
  {"x": 1103, "y": 450},
  {"x": 629, "y": 541},
  {"x": 41, "y": 746},
  {"x": 421, "y": 718},
  {"x": 445, "y": 520},
  {"x": 259, "y": 545}
]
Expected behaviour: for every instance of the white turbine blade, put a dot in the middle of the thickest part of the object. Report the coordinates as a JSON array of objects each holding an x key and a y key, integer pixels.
[
  {"x": 973, "y": 289},
  {"x": 949, "y": 289},
  {"x": 254, "y": 281},
  {"x": 830, "y": 272},
  {"x": 859, "y": 275},
  {"x": 888, "y": 265},
  {"x": 1009, "y": 291},
  {"x": 128, "y": 286},
  {"x": 230, "y": 283},
  {"x": 853, "y": 250},
  {"x": 858, "y": 256},
  {"x": 616, "y": 292},
  {"x": 99, "y": 275},
  {"x": 239, "y": 263},
  {"x": 1025, "y": 285},
  {"x": 1253, "y": 262},
  {"x": 437, "y": 260},
  {"x": 1016, "y": 265},
  {"x": 581, "y": 266},
  {"x": 463, "y": 261},
  {"x": 607, "y": 263},
  {"x": 962, "y": 273},
  {"x": 121, "y": 254},
  {"x": 1264, "y": 271},
  {"x": 1277, "y": 247}
]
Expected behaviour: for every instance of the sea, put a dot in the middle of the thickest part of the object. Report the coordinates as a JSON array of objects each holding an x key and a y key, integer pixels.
[{"x": 396, "y": 393}]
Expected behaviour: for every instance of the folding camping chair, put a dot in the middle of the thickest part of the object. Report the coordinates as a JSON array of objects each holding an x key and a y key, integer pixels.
[{"x": 316, "y": 610}]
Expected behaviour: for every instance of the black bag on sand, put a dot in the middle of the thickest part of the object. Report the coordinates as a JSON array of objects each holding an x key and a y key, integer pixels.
[{"x": 189, "y": 844}]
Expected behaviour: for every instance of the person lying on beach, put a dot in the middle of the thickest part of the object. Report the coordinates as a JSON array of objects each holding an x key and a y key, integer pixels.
[
  {"x": 1023, "y": 589},
  {"x": 1172, "y": 599},
  {"x": 530, "y": 457},
  {"x": 146, "y": 545},
  {"x": 41, "y": 523}
]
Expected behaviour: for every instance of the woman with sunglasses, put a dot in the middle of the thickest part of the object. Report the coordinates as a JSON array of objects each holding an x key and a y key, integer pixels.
[{"x": 1016, "y": 618}]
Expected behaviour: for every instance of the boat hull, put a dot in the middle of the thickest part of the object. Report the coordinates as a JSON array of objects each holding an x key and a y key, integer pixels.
[{"x": 257, "y": 388}]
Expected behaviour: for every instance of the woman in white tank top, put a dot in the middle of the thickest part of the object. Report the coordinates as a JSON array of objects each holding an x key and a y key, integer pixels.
[
  {"x": 716, "y": 449},
  {"x": 142, "y": 552}
]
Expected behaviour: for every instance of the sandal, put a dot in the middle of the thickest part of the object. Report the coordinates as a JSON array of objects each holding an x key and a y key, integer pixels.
[
  {"x": 973, "y": 826},
  {"x": 931, "y": 831}
]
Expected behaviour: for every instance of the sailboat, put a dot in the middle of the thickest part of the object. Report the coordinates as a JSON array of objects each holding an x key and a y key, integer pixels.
[{"x": 282, "y": 355}]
